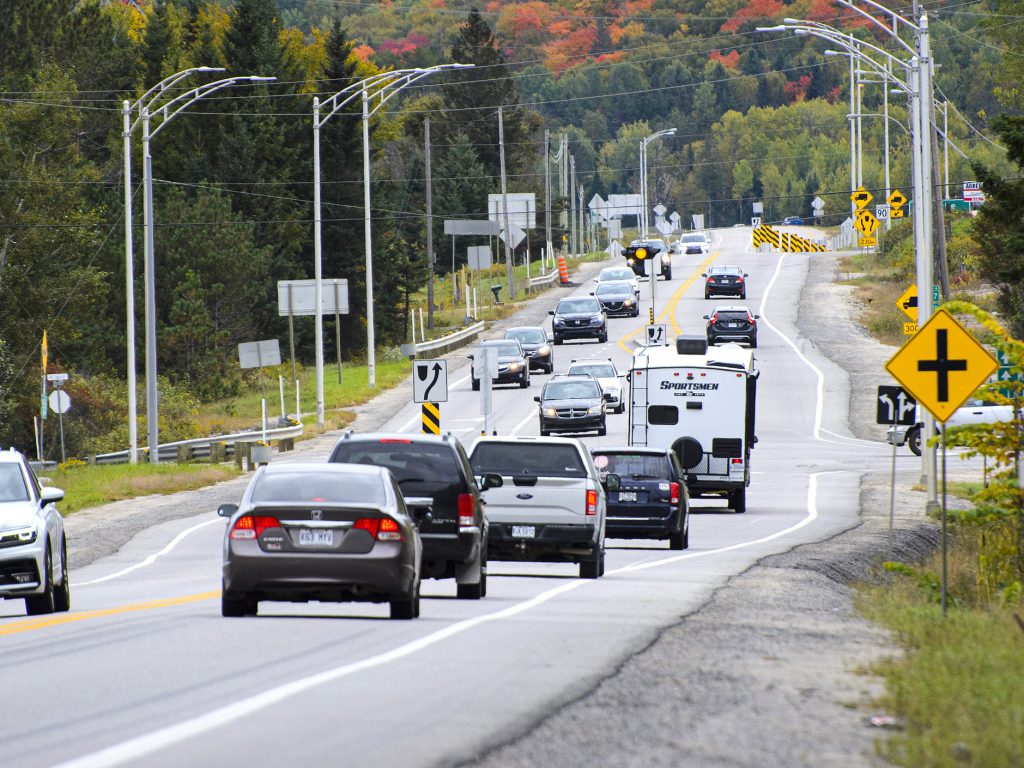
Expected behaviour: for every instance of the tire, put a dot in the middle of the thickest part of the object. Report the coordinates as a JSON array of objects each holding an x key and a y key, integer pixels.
[
  {"x": 743, "y": 295},
  {"x": 676, "y": 541},
  {"x": 668, "y": 275},
  {"x": 477, "y": 590},
  {"x": 550, "y": 368},
  {"x": 753, "y": 342},
  {"x": 914, "y": 440},
  {"x": 545, "y": 433},
  {"x": 38, "y": 605},
  {"x": 603, "y": 338},
  {"x": 711, "y": 341},
  {"x": 593, "y": 566},
  {"x": 706, "y": 295},
  {"x": 602, "y": 431},
  {"x": 62, "y": 595},
  {"x": 525, "y": 383},
  {"x": 235, "y": 606},
  {"x": 738, "y": 501},
  {"x": 558, "y": 340},
  {"x": 476, "y": 385},
  {"x": 409, "y": 606}
]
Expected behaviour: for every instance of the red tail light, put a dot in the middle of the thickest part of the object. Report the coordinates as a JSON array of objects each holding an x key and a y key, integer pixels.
[
  {"x": 674, "y": 492},
  {"x": 382, "y": 529},
  {"x": 750, "y": 318},
  {"x": 714, "y": 319},
  {"x": 467, "y": 509},
  {"x": 591, "y": 502},
  {"x": 248, "y": 527},
  {"x": 739, "y": 279}
]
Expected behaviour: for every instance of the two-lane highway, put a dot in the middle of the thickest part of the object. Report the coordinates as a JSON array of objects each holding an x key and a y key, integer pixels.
[{"x": 145, "y": 671}]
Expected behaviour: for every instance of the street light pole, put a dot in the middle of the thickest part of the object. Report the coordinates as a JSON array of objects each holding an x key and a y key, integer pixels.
[
  {"x": 643, "y": 198},
  {"x": 165, "y": 113}
]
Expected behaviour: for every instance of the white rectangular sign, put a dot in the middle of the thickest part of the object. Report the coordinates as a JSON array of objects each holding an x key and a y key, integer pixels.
[
  {"x": 657, "y": 335},
  {"x": 624, "y": 205},
  {"x": 303, "y": 297},
  {"x": 259, "y": 354},
  {"x": 522, "y": 209},
  {"x": 430, "y": 381},
  {"x": 479, "y": 256}
]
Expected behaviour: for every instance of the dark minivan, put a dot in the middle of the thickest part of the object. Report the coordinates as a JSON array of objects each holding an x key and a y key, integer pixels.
[
  {"x": 651, "y": 502},
  {"x": 442, "y": 496}
]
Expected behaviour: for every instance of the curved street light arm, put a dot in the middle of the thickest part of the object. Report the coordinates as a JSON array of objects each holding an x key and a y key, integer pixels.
[
  {"x": 173, "y": 108},
  {"x": 396, "y": 85},
  {"x": 158, "y": 90},
  {"x": 852, "y": 45},
  {"x": 354, "y": 91},
  {"x": 825, "y": 32},
  {"x": 896, "y": 19},
  {"x": 879, "y": 114}
]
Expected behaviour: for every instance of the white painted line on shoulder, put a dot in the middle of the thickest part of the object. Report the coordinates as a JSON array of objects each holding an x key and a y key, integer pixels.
[{"x": 134, "y": 749}]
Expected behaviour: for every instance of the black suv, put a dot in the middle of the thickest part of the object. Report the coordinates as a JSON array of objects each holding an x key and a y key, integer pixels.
[
  {"x": 513, "y": 367},
  {"x": 441, "y": 494},
  {"x": 536, "y": 343},
  {"x": 725, "y": 281},
  {"x": 617, "y": 298},
  {"x": 572, "y": 404},
  {"x": 579, "y": 317},
  {"x": 733, "y": 323},
  {"x": 651, "y": 501}
]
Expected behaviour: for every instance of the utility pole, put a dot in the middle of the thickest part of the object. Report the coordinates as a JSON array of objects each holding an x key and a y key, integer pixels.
[
  {"x": 583, "y": 227},
  {"x": 938, "y": 204},
  {"x": 572, "y": 205},
  {"x": 430, "y": 225},
  {"x": 509, "y": 271},
  {"x": 547, "y": 194},
  {"x": 563, "y": 180}
]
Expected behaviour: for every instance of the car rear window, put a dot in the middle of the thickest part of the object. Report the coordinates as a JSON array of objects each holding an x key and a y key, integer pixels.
[
  {"x": 731, "y": 316},
  {"x": 616, "y": 274},
  {"x": 634, "y": 466},
  {"x": 12, "y": 483},
  {"x": 316, "y": 487},
  {"x": 419, "y": 468},
  {"x": 507, "y": 349},
  {"x": 529, "y": 458}
]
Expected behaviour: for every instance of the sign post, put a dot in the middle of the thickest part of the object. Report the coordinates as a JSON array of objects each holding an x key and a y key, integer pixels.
[
  {"x": 894, "y": 407},
  {"x": 941, "y": 365}
]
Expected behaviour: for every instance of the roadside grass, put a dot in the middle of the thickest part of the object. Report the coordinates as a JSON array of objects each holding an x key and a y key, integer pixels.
[{"x": 87, "y": 486}]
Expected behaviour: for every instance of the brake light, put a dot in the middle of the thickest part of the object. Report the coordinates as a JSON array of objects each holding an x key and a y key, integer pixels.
[
  {"x": 467, "y": 506},
  {"x": 739, "y": 279},
  {"x": 395, "y": 440},
  {"x": 382, "y": 529},
  {"x": 737, "y": 461},
  {"x": 591, "y": 502},
  {"x": 674, "y": 492},
  {"x": 714, "y": 319},
  {"x": 750, "y": 318},
  {"x": 248, "y": 527}
]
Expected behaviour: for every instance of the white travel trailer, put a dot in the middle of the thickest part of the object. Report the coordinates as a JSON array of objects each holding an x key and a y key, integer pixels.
[{"x": 700, "y": 402}]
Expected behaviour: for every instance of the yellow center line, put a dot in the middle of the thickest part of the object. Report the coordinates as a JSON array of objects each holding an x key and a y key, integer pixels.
[
  {"x": 17, "y": 627},
  {"x": 670, "y": 308}
]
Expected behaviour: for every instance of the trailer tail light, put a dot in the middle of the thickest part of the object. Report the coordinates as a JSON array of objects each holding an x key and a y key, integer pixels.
[
  {"x": 591, "y": 502},
  {"x": 249, "y": 527},
  {"x": 674, "y": 492},
  {"x": 467, "y": 518},
  {"x": 737, "y": 461}
]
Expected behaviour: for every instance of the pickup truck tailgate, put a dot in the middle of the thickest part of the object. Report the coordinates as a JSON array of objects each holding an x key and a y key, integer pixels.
[{"x": 542, "y": 500}]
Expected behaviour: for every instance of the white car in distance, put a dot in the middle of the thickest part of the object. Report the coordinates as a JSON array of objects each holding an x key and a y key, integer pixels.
[
  {"x": 619, "y": 274},
  {"x": 607, "y": 375}
]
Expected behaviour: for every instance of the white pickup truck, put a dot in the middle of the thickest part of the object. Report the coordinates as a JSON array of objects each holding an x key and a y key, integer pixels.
[
  {"x": 550, "y": 506},
  {"x": 974, "y": 411}
]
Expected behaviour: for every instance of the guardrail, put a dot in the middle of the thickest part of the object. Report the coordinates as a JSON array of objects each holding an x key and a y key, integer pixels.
[
  {"x": 533, "y": 282},
  {"x": 199, "y": 448},
  {"x": 445, "y": 343}
]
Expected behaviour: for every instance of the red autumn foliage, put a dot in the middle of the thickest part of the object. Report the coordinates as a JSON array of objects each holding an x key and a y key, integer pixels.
[
  {"x": 756, "y": 10},
  {"x": 796, "y": 90},
  {"x": 729, "y": 60}
]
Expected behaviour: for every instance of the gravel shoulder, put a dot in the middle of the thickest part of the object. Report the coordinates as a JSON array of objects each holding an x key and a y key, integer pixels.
[{"x": 771, "y": 671}]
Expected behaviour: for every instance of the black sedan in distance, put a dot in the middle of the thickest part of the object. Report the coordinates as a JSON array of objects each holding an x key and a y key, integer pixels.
[
  {"x": 617, "y": 298},
  {"x": 725, "y": 280},
  {"x": 536, "y": 343},
  {"x": 308, "y": 532},
  {"x": 513, "y": 367},
  {"x": 579, "y": 317}
]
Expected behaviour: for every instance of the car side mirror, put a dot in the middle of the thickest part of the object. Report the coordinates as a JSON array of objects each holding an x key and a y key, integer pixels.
[
  {"x": 757, "y": 317},
  {"x": 608, "y": 397},
  {"x": 706, "y": 317},
  {"x": 491, "y": 480},
  {"x": 50, "y": 495},
  {"x": 551, "y": 311},
  {"x": 591, "y": 293},
  {"x": 703, "y": 274},
  {"x": 227, "y": 510},
  {"x": 536, "y": 399},
  {"x": 612, "y": 482},
  {"x": 745, "y": 274}
]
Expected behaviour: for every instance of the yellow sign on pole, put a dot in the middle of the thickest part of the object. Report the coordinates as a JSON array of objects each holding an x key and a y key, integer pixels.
[
  {"x": 46, "y": 351},
  {"x": 896, "y": 199},
  {"x": 896, "y": 213},
  {"x": 941, "y": 365},
  {"x": 861, "y": 197},
  {"x": 907, "y": 302},
  {"x": 909, "y": 329},
  {"x": 867, "y": 242},
  {"x": 866, "y": 222}
]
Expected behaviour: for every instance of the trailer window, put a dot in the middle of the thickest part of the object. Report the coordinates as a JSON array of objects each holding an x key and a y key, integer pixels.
[{"x": 662, "y": 414}]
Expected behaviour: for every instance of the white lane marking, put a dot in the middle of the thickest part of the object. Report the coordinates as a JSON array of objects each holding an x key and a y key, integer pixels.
[
  {"x": 529, "y": 417},
  {"x": 140, "y": 746},
  {"x": 152, "y": 558}
]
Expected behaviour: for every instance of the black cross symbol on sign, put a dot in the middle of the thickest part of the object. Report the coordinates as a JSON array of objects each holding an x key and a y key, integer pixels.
[{"x": 942, "y": 365}]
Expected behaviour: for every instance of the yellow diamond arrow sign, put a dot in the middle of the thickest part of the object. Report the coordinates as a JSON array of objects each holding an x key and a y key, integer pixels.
[
  {"x": 941, "y": 365},
  {"x": 866, "y": 222},
  {"x": 896, "y": 199},
  {"x": 907, "y": 303},
  {"x": 861, "y": 197}
]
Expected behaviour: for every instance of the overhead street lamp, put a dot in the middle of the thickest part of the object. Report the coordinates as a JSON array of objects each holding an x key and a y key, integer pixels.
[
  {"x": 643, "y": 199},
  {"x": 148, "y": 99},
  {"x": 163, "y": 115},
  {"x": 383, "y": 86}
]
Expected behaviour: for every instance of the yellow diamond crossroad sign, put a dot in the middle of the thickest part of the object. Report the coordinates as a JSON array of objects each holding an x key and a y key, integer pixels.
[
  {"x": 907, "y": 303},
  {"x": 896, "y": 199},
  {"x": 866, "y": 222},
  {"x": 861, "y": 197},
  {"x": 941, "y": 365}
]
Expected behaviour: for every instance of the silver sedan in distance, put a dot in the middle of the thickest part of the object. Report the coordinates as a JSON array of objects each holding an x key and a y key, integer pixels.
[{"x": 321, "y": 532}]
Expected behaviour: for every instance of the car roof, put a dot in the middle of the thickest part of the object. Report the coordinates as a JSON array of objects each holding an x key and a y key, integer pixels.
[
  {"x": 523, "y": 328},
  {"x": 496, "y": 342},
  {"x": 639, "y": 450},
  {"x": 395, "y": 437},
  {"x": 10, "y": 456},
  {"x": 305, "y": 467},
  {"x": 624, "y": 284},
  {"x": 592, "y": 361}
]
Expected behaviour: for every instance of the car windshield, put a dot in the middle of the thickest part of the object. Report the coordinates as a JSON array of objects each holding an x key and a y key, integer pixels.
[
  {"x": 507, "y": 350},
  {"x": 659, "y": 244},
  {"x": 529, "y": 335},
  {"x": 578, "y": 306},
  {"x": 692, "y": 238},
  {"x": 597, "y": 370},
  {"x": 418, "y": 467},
  {"x": 585, "y": 389},
  {"x": 724, "y": 271},
  {"x": 317, "y": 487},
  {"x": 633, "y": 465},
  {"x": 614, "y": 289},
  {"x": 12, "y": 483},
  {"x": 618, "y": 273},
  {"x": 528, "y": 458}
]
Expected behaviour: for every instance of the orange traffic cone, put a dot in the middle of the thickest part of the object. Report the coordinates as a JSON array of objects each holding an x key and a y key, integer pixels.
[{"x": 563, "y": 271}]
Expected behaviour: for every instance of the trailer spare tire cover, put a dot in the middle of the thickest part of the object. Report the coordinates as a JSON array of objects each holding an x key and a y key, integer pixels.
[{"x": 689, "y": 450}]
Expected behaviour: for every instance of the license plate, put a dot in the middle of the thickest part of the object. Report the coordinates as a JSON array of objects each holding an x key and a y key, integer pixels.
[
  {"x": 316, "y": 538},
  {"x": 524, "y": 531},
  {"x": 627, "y": 495},
  {"x": 734, "y": 325}
]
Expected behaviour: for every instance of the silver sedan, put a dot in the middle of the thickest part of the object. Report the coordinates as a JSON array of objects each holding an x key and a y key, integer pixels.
[{"x": 321, "y": 532}]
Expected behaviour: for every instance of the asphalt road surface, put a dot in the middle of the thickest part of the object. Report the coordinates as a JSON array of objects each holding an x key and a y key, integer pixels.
[{"x": 145, "y": 671}]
